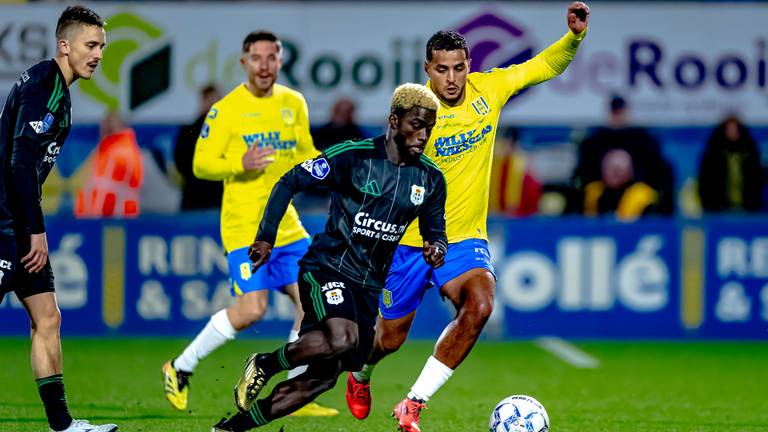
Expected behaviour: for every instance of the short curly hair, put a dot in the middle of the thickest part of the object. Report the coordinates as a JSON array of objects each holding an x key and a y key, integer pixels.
[
  {"x": 77, "y": 15},
  {"x": 446, "y": 40},
  {"x": 411, "y": 95}
]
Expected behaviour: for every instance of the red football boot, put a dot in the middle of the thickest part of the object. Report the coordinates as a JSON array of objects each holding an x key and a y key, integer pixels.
[
  {"x": 407, "y": 415},
  {"x": 358, "y": 397}
]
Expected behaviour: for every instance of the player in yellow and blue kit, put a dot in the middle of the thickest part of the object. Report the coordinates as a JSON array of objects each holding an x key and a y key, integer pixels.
[
  {"x": 462, "y": 146},
  {"x": 250, "y": 138}
]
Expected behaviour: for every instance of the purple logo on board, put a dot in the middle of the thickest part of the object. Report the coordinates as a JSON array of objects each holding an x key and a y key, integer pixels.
[{"x": 496, "y": 42}]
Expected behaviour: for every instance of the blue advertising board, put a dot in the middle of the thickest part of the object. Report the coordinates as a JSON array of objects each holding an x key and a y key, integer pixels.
[
  {"x": 569, "y": 277},
  {"x": 589, "y": 278},
  {"x": 736, "y": 276}
]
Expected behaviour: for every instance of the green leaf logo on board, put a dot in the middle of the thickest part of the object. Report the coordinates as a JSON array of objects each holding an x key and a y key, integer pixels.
[{"x": 136, "y": 66}]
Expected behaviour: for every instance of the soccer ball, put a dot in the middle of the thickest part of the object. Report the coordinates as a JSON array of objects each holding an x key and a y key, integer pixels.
[{"x": 519, "y": 413}]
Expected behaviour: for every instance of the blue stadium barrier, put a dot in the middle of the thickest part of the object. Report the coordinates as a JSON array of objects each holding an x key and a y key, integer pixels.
[{"x": 569, "y": 277}]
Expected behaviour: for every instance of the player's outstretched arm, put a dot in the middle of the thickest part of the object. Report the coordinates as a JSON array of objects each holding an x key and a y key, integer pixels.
[
  {"x": 578, "y": 17},
  {"x": 554, "y": 59}
]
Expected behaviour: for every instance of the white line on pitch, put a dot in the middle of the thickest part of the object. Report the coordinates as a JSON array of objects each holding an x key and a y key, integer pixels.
[{"x": 567, "y": 352}]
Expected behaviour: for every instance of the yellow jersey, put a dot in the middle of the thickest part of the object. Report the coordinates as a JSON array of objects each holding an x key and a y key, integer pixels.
[
  {"x": 234, "y": 124},
  {"x": 462, "y": 141}
]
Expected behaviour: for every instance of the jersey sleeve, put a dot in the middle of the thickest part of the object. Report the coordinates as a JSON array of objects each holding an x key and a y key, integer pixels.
[
  {"x": 546, "y": 65},
  {"x": 432, "y": 218},
  {"x": 305, "y": 146},
  {"x": 32, "y": 121},
  {"x": 210, "y": 161},
  {"x": 310, "y": 173}
]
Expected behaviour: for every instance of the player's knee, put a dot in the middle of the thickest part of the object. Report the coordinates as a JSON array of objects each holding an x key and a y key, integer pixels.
[
  {"x": 342, "y": 344},
  {"x": 256, "y": 314},
  {"x": 390, "y": 343},
  {"x": 242, "y": 319},
  {"x": 247, "y": 312},
  {"x": 480, "y": 307},
  {"x": 47, "y": 324},
  {"x": 341, "y": 340}
]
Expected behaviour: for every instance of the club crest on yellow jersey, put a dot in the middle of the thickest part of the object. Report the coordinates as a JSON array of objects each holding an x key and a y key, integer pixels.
[
  {"x": 481, "y": 106},
  {"x": 288, "y": 117}
]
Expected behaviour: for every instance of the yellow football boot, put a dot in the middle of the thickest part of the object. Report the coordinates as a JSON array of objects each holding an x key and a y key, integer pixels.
[
  {"x": 314, "y": 409},
  {"x": 250, "y": 384},
  {"x": 176, "y": 387}
]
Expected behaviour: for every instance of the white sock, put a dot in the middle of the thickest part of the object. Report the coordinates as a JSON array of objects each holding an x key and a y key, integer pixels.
[
  {"x": 364, "y": 375},
  {"x": 298, "y": 370},
  {"x": 432, "y": 377},
  {"x": 215, "y": 334}
]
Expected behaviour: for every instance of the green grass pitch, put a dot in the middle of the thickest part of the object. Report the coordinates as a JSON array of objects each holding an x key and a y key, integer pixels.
[{"x": 639, "y": 386}]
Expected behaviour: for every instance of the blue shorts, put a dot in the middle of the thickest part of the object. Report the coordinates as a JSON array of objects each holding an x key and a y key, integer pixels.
[
  {"x": 410, "y": 276},
  {"x": 282, "y": 269}
]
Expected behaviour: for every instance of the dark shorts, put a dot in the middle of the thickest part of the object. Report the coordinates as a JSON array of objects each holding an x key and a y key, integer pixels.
[
  {"x": 330, "y": 295},
  {"x": 13, "y": 276}
]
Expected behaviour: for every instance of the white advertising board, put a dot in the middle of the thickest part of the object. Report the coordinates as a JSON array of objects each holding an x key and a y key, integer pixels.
[{"x": 686, "y": 63}]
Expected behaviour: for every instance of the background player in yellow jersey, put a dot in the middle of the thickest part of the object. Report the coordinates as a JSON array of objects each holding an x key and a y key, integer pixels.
[
  {"x": 250, "y": 138},
  {"x": 461, "y": 143}
]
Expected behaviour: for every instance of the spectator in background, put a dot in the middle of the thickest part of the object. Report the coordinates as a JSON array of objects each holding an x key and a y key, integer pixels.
[
  {"x": 196, "y": 194},
  {"x": 730, "y": 175},
  {"x": 112, "y": 189},
  {"x": 514, "y": 190},
  {"x": 618, "y": 191},
  {"x": 648, "y": 164},
  {"x": 111, "y": 124},
  {"x": 340, "y": 128}
]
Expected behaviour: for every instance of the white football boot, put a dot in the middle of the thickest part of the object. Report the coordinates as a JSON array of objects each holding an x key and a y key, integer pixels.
[{"x": 85, "y": 426}]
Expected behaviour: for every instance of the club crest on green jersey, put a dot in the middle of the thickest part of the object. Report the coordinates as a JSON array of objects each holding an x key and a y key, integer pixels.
[{"x": 417, "y": 194}]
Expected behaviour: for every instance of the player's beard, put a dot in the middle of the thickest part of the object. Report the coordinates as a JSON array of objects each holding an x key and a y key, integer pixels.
[
  {"x": 452, "y": 100},
  {"x": 263, "y": 84}
]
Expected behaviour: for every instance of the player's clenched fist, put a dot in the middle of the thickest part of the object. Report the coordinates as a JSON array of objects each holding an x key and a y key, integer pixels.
[
  {"x": 433, "y": 255},
  {"x": 258, "y": 158},
  {"x": 578, "y": 17},
  {"x": 259, "y": 253}
]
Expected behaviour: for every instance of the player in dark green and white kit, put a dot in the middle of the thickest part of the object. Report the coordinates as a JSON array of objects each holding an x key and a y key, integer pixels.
[
  {"x": 34, "y": 122},
  {"x": 378, "y": 187}
]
